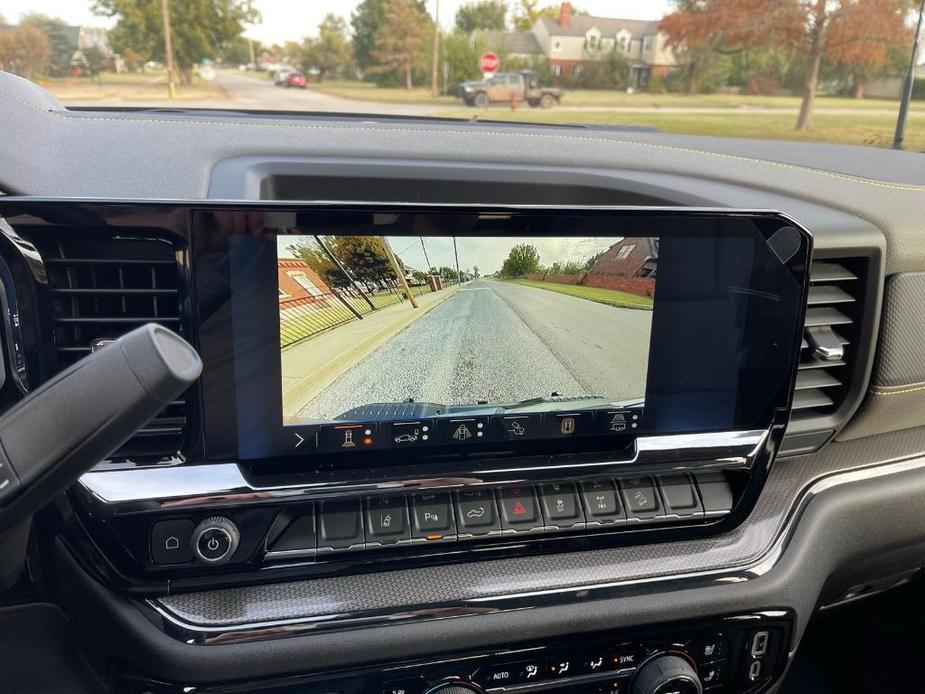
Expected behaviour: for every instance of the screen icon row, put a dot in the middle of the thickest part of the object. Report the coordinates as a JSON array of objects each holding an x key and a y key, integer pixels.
[{"x": 463, "y": 430}]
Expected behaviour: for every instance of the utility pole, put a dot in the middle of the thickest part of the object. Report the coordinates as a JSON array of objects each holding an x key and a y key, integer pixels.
[
  {"x": 426, "y": 259},
  {"x": 434, "y": 86},
  {"x": 253, "y": 56},
  {"x": 399, "y": 273},
  {"x": 456, "y": 253},
  {"x": 168, "y": 49},
  {"x": 906, "y": 97}
]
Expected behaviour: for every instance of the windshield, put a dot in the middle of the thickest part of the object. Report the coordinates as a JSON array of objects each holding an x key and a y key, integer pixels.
[{"x": 813, "y": 71}]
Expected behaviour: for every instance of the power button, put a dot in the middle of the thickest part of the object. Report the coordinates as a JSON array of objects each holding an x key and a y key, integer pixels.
[{"x": 215, "y": 540}]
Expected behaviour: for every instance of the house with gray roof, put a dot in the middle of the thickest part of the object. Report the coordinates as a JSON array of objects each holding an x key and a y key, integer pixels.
[{"x": 570, "y": 40}]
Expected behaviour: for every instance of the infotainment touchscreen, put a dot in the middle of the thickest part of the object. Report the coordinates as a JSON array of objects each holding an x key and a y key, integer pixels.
[
  {"x": 374, "y": 326},
  {"x": 439, "y": 331}
]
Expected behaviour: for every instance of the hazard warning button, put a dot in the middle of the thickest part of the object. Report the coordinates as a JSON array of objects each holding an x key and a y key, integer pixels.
[{"x": 519, "y": 509}]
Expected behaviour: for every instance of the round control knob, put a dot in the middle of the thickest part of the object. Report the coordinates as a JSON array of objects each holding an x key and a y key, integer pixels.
[
  {"x": 215, "y": 540},
  {"x": 666, "y": 674},
  {"x": 456, "y": 687}
]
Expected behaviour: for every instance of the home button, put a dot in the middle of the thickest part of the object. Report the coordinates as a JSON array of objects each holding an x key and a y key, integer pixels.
[{"x": 170, "y": 542}]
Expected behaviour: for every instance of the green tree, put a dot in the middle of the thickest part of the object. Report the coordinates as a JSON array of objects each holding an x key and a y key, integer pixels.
[
  {"x": 448, "y": 273},
  {"x": 364, "y": 257},
  {"x": 461, "y": 54},
  {"x": 402, "y": 41},
  {"x": 95, "y": 61},
  {"x": 331, "y": 52},
  {"x": 365, "y": 21},
  {"x": 610, "y": 70},
  {"x": 200, "y": 28},
  {"x": 523, "y": 260},
  {"x": 529, "y": 11},
  {"x": 58, "y": 33},
  {"x": 482, "y": 14},
  {"x": 25, "y": 51},
  {"x": 475, "y": 271}
]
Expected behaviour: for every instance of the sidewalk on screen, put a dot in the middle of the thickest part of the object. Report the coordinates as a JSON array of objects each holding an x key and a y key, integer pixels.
[{"x": 311, "y": 366}]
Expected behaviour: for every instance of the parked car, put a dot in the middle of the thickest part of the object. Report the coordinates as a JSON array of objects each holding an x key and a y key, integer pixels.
[
  {"x": 296, "y": 79},
  {"x": 281, "y": 75},
  {"x": 507, "y": 87}
]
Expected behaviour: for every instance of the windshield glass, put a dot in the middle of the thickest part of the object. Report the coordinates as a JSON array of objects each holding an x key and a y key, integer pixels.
[{"x": 815, "y": 71}]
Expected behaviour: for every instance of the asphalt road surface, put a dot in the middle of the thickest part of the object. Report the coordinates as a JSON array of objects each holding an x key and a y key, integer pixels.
[
  {"x": 249, "y": 92},
  {"x": 502, "y": 343}
]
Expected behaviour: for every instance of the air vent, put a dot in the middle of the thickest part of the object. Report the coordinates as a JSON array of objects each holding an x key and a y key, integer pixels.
[
  {"x": 829, "y": 337},
  {"x": 102, "y": 288}
]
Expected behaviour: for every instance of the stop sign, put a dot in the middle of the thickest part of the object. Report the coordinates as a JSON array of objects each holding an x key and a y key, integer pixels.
[{"x": 489, "y": 63}]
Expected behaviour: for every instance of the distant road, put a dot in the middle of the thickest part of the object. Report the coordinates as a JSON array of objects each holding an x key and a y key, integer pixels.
[
  {"x": 251, "y": 92},
  {"x": 501, "y": 343}
]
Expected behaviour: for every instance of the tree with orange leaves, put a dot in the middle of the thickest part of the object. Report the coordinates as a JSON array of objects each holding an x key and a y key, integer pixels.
[{"x": 855, "y": 32}]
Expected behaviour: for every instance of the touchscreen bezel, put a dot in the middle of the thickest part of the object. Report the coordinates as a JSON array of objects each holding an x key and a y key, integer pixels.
[{"x": 215, "y": 286}]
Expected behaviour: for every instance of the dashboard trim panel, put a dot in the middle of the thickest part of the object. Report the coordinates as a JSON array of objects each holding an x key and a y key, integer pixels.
[
  {"x": 184, "y": 628},
  {"x": 174, "y": 487}
]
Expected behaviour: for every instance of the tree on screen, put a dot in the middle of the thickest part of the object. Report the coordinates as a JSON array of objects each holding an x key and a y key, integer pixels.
[{"x": 523, "y": 260}]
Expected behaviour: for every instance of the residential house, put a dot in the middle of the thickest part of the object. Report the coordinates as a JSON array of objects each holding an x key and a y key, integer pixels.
[
  {"x": 632, "y": 257},
  {"x": 568, "y": 42},
  {"x": 512, "y": 44}
]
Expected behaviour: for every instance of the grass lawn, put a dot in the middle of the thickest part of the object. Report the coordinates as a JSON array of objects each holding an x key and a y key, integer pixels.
[
  {"x": 612, "y": 98},
  {"x": 605, "y": 98},
  {"x": 611, "y": 297},
  {"x": 874, "y": 129},
  {"x": 142, "y": 87}
]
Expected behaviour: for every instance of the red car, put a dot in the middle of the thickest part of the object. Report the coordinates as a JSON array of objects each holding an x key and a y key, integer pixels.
[{"x": 297, "y": 79}]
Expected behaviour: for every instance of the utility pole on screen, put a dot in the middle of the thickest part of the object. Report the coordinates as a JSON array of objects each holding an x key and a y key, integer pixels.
[
  {"x": 399, "y": 273},
  {"x": 908, "y": 85},
  {"x": 456, "y": 253},
  {"x": 168, "y": 49},
  {"x": 434, "y": 87}
]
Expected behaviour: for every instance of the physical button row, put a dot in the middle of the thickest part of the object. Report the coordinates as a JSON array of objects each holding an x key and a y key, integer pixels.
[{"x": 442, "y": 516}]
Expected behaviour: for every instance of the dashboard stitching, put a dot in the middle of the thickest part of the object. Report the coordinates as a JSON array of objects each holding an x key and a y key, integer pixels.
[
  {"x": 874, "y": 391},
  {"x": 651, "y": 145}
]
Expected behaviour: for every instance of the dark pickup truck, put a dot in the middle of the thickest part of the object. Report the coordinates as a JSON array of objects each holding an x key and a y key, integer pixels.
[{"x": 509, "y": 87}]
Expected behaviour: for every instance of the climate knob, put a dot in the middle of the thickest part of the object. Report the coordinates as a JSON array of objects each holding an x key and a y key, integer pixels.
[
  {"x": 666, "y": 674},
  {"x": 456, "y": 687},
  {"x": 215, "y": 540}
]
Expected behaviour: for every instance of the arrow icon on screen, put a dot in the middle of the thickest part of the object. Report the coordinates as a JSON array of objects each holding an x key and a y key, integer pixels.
[{"x": 300, "y": 440}]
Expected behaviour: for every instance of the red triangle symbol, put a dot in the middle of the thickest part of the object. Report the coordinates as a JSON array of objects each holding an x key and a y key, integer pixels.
[{"x": 519, "y": 509}]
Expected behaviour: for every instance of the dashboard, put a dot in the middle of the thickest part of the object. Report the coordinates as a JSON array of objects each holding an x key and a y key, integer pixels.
[{"x": 231, "y": 546}]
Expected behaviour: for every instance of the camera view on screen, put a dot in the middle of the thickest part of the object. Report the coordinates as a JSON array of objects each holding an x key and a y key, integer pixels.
[{"x": 373, "y": 325}]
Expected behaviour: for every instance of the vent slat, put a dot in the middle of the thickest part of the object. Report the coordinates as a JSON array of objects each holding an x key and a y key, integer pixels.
[
  {"x": 109, "y": 261},
  {"x": 816, "y": 363},
  {"x": 828, "y": 294},
  {"x": 825, "y": 316},
  {"x": 103, "y": 287},
  {"x": 830, "y": 272},
  {"x": 114, "y": 320},
  {"x": 816, "y": 378},
  {"x": 833, "y": 300},
  {"x": 810, "y": 399},
  {"x": 112, "y": 292}
]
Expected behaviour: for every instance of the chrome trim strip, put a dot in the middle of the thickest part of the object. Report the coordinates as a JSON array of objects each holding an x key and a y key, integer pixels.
[
  {"x": 212, "y": 635},
  {"x": 139, "y": 489}
]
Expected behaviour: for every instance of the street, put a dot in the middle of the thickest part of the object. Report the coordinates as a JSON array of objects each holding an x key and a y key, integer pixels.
[
  {"x": 254, "y": 92},
  {"x": 500, "y": 342}
]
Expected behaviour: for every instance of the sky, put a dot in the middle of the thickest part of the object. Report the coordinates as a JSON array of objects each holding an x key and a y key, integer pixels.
[
  {"x": 286, "y": 20},
  {"x": 485, "y": 253}
]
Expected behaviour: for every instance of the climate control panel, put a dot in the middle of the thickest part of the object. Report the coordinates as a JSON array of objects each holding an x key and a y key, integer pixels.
[{"x": 742, "y": 654}]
